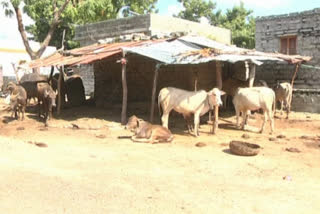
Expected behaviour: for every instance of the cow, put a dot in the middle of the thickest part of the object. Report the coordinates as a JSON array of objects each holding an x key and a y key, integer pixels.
[
  {"x": 18, "y": 99},
  {"x": 255, "y": 98},
  {"x": 187, "y": 103},
  {"x": 47, "y": 96},
  {"x": 283, "y": 93},
  {"x": 147, "y": 132},
  {"x": 29, "y": 83},
  {"x": 231, "y": 85}
]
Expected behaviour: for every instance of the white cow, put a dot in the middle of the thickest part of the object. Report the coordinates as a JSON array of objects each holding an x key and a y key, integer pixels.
[
  {"x": 255, "y": 98},
  {"x": 187, "y": 103},
  {"x": 283, "y": 93}
]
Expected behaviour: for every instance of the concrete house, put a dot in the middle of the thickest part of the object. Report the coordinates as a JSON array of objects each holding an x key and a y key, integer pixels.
[{"x": 294, "y": 33}]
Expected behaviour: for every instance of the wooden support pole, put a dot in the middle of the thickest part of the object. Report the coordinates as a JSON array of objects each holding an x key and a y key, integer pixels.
[
  {"x": 216, "y": 108},
  {"x": 51, "y": 74},
  {"x": 252, "y": 74},
  {"x": 154, "y": 90},
  {"x": 195, "y": 74},
  {"x": 218, "y": 75},
  {"x": 124, "y": 90},
  {"x": 60, "y": 77},
  {"x": 295, "y": 74},
  {"x": 59, "y": 89}
]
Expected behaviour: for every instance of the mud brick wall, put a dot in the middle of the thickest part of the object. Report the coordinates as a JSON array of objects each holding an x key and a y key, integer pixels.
[
  {"x": 305, "y": 25},
  {"x": 140, "y": 74}
]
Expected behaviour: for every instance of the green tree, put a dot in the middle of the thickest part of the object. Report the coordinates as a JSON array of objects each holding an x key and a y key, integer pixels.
[
  {"x": 55, "y": 9},
  {"x": 242, "y": 25},
  {"x": 52, "y": 17},
  {"x": 195, "y": 9},
  {"x": 238, "y": 19}
]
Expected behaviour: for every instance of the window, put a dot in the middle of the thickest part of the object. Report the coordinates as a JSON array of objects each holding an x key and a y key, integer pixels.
[{"x": 288, "y": 45}]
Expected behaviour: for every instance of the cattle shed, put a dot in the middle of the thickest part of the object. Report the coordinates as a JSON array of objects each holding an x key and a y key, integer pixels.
[{"x": 131, "y": 73}]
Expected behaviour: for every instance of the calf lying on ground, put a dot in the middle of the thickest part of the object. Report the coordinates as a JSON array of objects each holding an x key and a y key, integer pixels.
[
  {"x": 283, "y": 93},
  {"x": 148, "y": 133},
  {"x": 18, "y": 100},
  {"x": 253, "y": 99}
]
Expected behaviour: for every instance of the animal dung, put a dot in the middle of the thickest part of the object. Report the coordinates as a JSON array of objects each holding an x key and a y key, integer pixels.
[
  {"x": 245, "y": 136},
  {"x": 20, "y": 128},
  {"x": 281, "y": 136},
  {"x": 272, "y": 139},
  {"x": 200, "y": 144},
  {"x": 293, "y": 150},
  {"x": 101, "y": 136},
  {"x": 39, "y": 144}
]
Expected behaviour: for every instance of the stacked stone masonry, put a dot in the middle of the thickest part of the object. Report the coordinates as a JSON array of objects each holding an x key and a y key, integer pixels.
[{"x": 306, "y": 27}]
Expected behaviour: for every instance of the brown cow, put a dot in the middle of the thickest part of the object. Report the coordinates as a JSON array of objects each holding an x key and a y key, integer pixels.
[
  {"x": 47, "y": 96},
  {"x": 18, "y": 100},
  {"x": 147, "y": 132}
]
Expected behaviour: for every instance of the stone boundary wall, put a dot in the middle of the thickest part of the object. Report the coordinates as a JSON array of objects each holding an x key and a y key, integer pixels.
[
  {"x": 90, "y": 33},
  {"x": 150, "y": 24},
  {"x": 305, "y": 25},
  {"x": 307, "y": 78}
]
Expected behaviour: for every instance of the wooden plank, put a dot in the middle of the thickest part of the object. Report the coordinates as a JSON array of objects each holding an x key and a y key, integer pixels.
[
  {"x": 59, "y": 89},
  {"x": 154, "y": 90},
  {"x": 124, "y": 90},
  {"x": 252, "y": 74}
]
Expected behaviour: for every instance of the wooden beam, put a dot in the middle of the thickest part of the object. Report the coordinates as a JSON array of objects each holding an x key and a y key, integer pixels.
[
  {"x": 215, "y": 120},
  {"x": 195, "y": 74},
  {"x": 295, "y": 74},
  {"x": 154, "y": 90},
  {"x": 123, "y": 62},
  {"x": 218, "y": 74},
  {"x": 252, "y": 74},
  {"x": 59, "y": 89}
]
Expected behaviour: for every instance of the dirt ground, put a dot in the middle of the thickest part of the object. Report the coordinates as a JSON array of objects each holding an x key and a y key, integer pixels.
[{"x": 78, "y": 165}]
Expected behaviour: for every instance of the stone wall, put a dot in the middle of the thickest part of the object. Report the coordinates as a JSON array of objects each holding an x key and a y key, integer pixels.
[
  {"x": 149, "y": 24},
  {"x": 140, "y": 74},
  {"x": 305, "y": 25},
  {"x": 306, "y": 97}
]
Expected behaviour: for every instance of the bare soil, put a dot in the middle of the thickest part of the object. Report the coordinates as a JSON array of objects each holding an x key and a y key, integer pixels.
[{"x": 78, "y": 165}]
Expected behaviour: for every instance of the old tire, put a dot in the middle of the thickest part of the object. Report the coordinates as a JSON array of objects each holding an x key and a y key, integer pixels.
[{"x": 244, "y": 148}]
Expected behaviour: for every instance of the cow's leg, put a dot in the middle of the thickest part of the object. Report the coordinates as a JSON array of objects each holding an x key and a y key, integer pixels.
[
  {"x": 23, "y": 109},
  {"x": 238, "y": 115},
  {"x": 271, "y": 120},
  {"x": 165, "y": 119},
  {"x": 264, "y": 120},
  {"x": 39, "y": 107},
  {"x": 196, "y": 124},
  {"x": 281, "y": 107},
  {"x": 244, "y": 116}
]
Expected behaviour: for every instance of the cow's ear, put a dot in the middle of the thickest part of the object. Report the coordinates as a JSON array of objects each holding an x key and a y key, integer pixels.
[{"x": 222, "y": 92}]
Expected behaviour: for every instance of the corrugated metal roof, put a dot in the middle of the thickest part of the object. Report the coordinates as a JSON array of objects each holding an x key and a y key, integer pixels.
[
  {"x": 184, "y": 50},
  {"x": 87, "y": 54}
]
